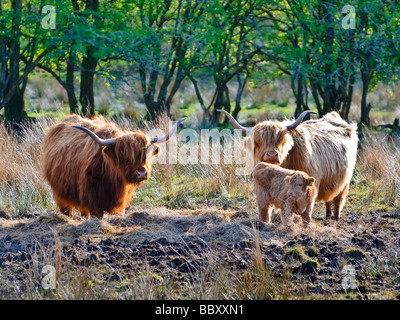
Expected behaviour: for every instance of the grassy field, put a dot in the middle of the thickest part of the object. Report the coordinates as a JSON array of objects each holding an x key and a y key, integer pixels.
[{"x": 192, "y": 232}]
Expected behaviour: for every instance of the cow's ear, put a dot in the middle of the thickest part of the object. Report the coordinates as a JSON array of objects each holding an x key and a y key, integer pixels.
[
  {"x": 157, "y": 150},
  {"x": 310, "y": 181},
  {"x": 109, "y": 151},
  {"x": 248, "y": 144},
  {"x": 153, "y": 150}
]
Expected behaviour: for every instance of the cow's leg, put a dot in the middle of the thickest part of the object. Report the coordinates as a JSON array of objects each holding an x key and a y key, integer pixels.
[
  {"x": 84, "y": 212},
  {"x": 328, "y": 206},
  {"x": 97, "y": 213},
  {"x": 338, "y": 202},
  {"x": 64, "y": 208}
]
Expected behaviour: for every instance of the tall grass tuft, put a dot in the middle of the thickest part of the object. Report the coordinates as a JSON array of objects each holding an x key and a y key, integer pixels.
[
  {"x": 379, "y": 166},
  {"x": 22, "y": 188}
]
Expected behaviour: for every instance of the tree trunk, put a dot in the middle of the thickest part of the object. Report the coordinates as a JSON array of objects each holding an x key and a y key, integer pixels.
[
  {"x": 15, "y": 108},
  {"x": 154, "y": 108},
  {"x": 3, "y": 57},
  {"x": 89, "y": 64},
  {"x": 221, "y": 102},
  {"x": 69, "y": 85},
  {"x": 314, "y": 92},
  {"x": 346, "y": 108},
  {"x": 86, "y": 97},
  {"x": 241, "y": 80},
  {"x": 365, "y": 108}
]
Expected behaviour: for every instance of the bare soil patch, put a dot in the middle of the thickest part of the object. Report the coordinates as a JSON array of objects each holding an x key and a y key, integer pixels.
[{"x": 178, "y": 244}]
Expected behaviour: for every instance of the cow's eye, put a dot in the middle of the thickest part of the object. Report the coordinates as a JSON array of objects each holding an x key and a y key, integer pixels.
[{"x": 300, "y": 184}]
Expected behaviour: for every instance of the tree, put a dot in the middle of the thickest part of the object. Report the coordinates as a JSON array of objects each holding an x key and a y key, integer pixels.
[
  {"x": 90, "y": 58},
  {"x": 227, "y": 48},
  {"x": 375, "y": 47},
  {"x": 306, "y": 35},
  {"x": 318, "y": 52},
  {"x": 19, "y": 42},
  {"x": 161, "y": 36}
]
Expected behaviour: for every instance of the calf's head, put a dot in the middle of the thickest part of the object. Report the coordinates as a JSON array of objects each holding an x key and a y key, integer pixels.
[
  {"x": 299, "y": 184},
  {"x": 269, "y": 141}
]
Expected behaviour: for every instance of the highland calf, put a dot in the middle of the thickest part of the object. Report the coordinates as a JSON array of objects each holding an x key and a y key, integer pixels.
[
  {"x": 288, "y": 190},
  {"x": 325, "y": 149},
  {"x": 94, "y": 166}
]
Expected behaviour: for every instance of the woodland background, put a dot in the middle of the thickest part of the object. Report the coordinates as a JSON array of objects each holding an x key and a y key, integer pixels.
[
  {"x": 192, "y": 230},
  {"x": 141, "y": 57}
]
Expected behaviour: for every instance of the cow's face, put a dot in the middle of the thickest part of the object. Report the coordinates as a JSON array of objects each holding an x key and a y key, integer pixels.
[
  {"x": 269, "y": 142},
  {"x": 132, "y": 155},
  {"x": 298, "y": 184}
]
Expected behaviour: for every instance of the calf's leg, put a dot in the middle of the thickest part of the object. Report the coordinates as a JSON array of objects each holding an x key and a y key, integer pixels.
[
  {"x": 338, "y": 202},
  {"x": 265, "y": 213}
]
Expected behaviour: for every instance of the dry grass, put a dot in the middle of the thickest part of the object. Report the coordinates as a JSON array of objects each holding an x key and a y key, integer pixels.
[
  {"x": 176, "y": 185},
  {"x": 379, "y": 169},
  {"x": 189, "y": 190},
  {"x": 22, "y": 188}
]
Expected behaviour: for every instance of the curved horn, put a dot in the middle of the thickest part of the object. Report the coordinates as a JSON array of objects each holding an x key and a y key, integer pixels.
[
  {"x": 299, "y": 119},
  {"x": 168, "y": 135},
  {"x": 103, "y": 142},
  {"x": 234, "y": 122}
]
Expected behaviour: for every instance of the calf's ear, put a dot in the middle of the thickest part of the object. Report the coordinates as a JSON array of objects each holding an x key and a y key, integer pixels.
[{"x": 310, "y": 181}]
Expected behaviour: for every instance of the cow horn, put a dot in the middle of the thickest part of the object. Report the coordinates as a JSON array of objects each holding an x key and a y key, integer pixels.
[
  {"x": 234, "y": 122},
  {"x": 299, "y": 119},
  {"x": 103, "y": 142},
  {"x": 167, "y": 136}
]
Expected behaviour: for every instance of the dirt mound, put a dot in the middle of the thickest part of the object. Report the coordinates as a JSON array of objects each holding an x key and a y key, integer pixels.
[{"x": 182, "y": 241}]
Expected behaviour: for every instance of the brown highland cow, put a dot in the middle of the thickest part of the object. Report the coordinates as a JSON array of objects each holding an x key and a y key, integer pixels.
[
  {"x": 325, "y": 149},
  {"x": 94, "y": 166},
  {"x": 288, "y": 190}
]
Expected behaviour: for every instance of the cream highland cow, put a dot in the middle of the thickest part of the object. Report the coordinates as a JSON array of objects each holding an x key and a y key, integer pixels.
[{"x": 325, "y": 149}]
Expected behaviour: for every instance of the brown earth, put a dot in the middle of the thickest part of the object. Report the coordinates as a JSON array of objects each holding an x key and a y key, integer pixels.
[{"x": 179, "y": 243}]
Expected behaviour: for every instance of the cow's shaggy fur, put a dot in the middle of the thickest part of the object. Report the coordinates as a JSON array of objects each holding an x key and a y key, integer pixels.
[
  {"x": 92, "y": 178},
  {"x": 290, "y": 191},
  {"x": 325, "y": 149}
]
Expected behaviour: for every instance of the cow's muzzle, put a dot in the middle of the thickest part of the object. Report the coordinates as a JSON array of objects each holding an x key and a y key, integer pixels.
[
  {"x": 271, "y": 157},
  {"x": 140, "y": 175}
]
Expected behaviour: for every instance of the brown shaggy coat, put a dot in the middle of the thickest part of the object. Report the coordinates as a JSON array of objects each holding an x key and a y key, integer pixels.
[
  {"x": 89, "y": 177},
  {"x": 325, "y": 149},
  {"x": 288, "y": 190}
]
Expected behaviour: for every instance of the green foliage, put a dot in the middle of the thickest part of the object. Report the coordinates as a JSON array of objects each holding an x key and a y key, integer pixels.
[{"x": 156, "y": 45}]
